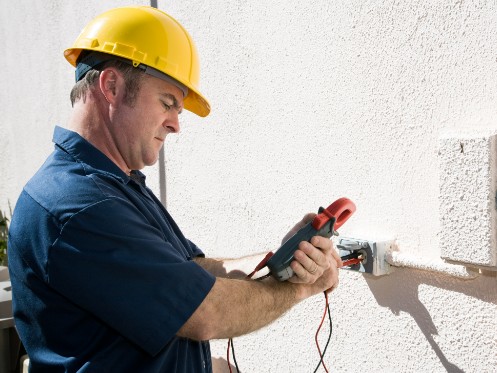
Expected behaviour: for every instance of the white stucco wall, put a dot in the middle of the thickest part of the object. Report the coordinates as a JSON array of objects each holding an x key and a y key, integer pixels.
[{"x": 310, "y": 101}]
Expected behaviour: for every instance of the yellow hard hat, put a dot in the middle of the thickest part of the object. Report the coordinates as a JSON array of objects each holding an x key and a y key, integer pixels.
[{"x": 148, "y": 36}]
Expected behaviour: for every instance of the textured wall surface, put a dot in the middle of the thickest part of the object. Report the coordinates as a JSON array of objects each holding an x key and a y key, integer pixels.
[
  {"x": 311, "y": 101},
  {"x": 467, "y": 198}
]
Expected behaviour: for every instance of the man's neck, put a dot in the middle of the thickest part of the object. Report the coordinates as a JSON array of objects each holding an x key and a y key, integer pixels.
[{"x": 92, "y": 123}]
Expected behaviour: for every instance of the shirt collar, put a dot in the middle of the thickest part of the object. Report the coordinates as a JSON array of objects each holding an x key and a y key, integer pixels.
[{"x": 83, "y": 151}]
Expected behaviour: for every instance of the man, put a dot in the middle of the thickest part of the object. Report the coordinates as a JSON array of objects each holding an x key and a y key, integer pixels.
[{"x": 103, "y": 279}]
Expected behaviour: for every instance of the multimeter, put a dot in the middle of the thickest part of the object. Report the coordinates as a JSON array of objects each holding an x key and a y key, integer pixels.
[{"x": 324, "y": 224}]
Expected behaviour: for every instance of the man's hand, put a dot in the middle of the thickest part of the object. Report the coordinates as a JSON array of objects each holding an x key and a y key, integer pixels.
[
  {"x": 236, "y": 306},
  {"x": 316, "y": 262}
]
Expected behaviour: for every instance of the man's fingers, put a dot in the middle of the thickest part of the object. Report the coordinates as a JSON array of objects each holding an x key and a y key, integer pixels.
[
  {"x": 326, "y": 244},
  {"x": 301, "y": 275},
  {"x": 333, "y": 287},
  {"x": 310, "y": 258},
  {"x": 314, "y": 259}
]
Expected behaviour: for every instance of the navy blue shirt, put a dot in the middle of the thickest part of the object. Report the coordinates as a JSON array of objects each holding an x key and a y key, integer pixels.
[{"x": 102, "y": 277}]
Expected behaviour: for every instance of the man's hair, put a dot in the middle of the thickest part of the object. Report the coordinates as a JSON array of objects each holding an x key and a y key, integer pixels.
[{"x": 132, "y": 79}]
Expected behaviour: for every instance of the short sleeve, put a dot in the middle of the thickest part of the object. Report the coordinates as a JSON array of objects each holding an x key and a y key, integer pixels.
[{"x": 113, "y": 264}]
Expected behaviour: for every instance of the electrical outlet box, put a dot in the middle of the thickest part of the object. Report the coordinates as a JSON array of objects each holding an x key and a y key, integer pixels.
[{"x": 373, "y": 254}]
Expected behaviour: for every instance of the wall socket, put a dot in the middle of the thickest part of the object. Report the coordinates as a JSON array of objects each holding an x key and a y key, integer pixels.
[{"x": 373, "y": 253}]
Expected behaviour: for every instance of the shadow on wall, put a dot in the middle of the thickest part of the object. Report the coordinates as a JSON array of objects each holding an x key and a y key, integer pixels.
[
  {"x": 400, "y": 294},
  {"x": 220, "y": 365}
]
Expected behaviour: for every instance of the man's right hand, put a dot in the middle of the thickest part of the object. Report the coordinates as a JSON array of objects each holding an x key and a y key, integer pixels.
[{"x": 316, "y": 266}]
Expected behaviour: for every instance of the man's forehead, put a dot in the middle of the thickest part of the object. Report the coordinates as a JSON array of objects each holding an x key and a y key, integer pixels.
[
  {"x": 164, "y": 89},
  {"x": 166, "y": 78}
]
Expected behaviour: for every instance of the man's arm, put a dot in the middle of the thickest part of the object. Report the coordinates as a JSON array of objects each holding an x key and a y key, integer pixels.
[{"x": 235, "y": 306}]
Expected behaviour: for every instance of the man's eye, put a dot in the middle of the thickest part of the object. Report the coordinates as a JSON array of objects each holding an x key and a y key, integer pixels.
[{"x": 166, "y": 106}]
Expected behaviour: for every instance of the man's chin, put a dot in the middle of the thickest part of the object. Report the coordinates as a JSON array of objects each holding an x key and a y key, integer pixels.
[{"x": 151, "y": 162}]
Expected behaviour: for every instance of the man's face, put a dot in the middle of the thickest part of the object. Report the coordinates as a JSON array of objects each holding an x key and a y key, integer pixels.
[{"x": 140, "y": 129}]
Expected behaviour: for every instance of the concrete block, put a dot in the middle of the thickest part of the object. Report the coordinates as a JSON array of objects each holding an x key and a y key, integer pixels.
[{"x": 467, "y": 204}]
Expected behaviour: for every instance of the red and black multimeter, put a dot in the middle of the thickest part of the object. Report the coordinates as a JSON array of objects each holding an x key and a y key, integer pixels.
[{"x": 326, "y": 222}]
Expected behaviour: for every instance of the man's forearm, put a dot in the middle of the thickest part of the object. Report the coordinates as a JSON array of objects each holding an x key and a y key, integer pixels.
[{"x": 236, "y": 307}]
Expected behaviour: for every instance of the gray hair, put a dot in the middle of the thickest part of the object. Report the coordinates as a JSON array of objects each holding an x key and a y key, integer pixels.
[{"x": 132, "y": 79}]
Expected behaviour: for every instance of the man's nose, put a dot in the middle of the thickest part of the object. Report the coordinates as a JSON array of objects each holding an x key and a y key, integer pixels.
[{"x": 172, "y": 123}]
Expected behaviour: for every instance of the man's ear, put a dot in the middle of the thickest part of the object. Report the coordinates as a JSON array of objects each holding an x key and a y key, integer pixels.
[{"x": 111, "y": 84}]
